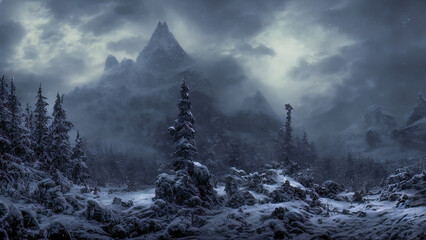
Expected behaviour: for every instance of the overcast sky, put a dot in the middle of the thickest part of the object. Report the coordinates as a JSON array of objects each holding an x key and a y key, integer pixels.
[{"x": 331, "y": 59}]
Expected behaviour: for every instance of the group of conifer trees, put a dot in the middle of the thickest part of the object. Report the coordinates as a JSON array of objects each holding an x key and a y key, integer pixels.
[
  {"x": 292, "y": 148},
  {"x": 36, "y": 139}
]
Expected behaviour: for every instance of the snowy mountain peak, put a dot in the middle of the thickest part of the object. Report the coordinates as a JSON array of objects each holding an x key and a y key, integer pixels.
[{"x": 162, "y": 49}]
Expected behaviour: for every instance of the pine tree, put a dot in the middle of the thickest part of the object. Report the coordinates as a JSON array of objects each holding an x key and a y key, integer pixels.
[
  {"x": 41, "y": 120},
  {"x": 349, "y": 171},
  {"x": 284, "y": 146},
  {"x": 209, "y": 155},
  {"x": 183, "y": 133},
  {"x": 60, "y": 149},
  {"x": 234, "y": 153},
  {"x": 80, "y": 172},
  {"x": 288, "y": 135},
  {"x": 4, "y": 105},
  {"x": 18, "y": 132},
  {"x": 29, "y": 119}
]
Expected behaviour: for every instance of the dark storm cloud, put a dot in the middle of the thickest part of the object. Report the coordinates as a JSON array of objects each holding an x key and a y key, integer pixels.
[
  {"x": 11, "y": 34},
  {"x": 235, "y": 19},
  {"x": 386, "y": 66},
  {"x": 259, "y": 50},
  {"x": 72, "y": 11},
  {"x": 66, "y": 64},
  {"x": 103, "y": 24},
  {"x": 51, "y": 33},
  {"x": 128, "y": 44}
]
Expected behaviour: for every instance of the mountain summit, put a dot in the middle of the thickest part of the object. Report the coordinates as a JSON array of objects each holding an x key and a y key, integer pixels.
[{"x": 162, "y": 50}]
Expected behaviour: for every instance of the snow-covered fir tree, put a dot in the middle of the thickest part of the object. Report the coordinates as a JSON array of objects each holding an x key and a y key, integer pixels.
[
  {"x": 29, "y": 119},
  {"x": 60, "y": 149},
  {"x": 304, "y": 152},
  {"x": 80, "y": 172},
  {"x": 183, "y": 133},
  {"x": 419, "y": 110},
  {"x": 234, "y": 153},
  {"x": 284, "y": 145},
  {"x": 288, "y": 136},
  {"x": 19, "y": 135},
  {"x": 209, "y": 155},
  {"x": 41, "y": 121},
  {"x": 4, "y": 106}
]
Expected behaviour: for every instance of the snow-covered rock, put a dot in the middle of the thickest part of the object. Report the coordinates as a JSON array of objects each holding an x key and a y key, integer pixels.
[
  {"x": 57, "y": 230},
  {"x": 330, "y": 189},
  {"x": 96, "y": 212}
]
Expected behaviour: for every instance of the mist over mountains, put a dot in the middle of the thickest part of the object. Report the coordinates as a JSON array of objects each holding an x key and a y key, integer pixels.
[{"x": 135, "y": 100}]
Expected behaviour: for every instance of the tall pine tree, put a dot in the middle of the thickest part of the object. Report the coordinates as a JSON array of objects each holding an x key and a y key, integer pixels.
[
  {"x": 41, "y": 121},
  {"x": 60, "y": 149},
  {"x": 80, "y": 172},
  {"x": 288, "y": 135},
  {"x": 183, "y": 133},
  {"x": 29, "y": 119},
  {"x": 4, "y": 105},
  {"x": 19, "y": 134},
  {"x": 284, "y": 146}
]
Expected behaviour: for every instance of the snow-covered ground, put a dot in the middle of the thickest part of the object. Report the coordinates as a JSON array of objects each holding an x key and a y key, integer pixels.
[
  {"x": 140, "y": 198},
  {"x": 93, "y": 215}
]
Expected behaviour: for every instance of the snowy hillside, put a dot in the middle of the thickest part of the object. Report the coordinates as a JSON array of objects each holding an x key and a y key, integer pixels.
[
  {"x": 261, "y": 205},
  {"x": 374, "y": 135}
]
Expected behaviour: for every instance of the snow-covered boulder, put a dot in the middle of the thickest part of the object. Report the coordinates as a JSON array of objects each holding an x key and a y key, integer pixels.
[
  {"x": 270, "y": 177},
  {"x": 96, "y": 212},
  {"x": 57, "y": 230},
  {"x": 401, "y": 174},
  {"x": 285, "y": 224},
  {"x": 329, "y": 189},
  {"x": 304, "y": 177},
  {"x": 407, "y": 189},
  {"x": 180, "y": 227},
  {"x": 286, "y": 193},
  {"x": 240, "y": 198},
  {"x": 357, "y": 197},
  {"x": 120, "y": 202},
  {"x": 149, "y": 225}
]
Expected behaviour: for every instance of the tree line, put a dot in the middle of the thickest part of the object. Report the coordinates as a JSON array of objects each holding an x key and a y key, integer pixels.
[{"x": 34, "y": 138}]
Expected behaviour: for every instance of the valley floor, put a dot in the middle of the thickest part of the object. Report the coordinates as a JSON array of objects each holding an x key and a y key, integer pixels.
[{"x": 339, "y": 218}]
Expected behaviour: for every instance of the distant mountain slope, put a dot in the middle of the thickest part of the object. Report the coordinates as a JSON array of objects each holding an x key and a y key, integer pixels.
[{"x": 419, "y": 110}]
